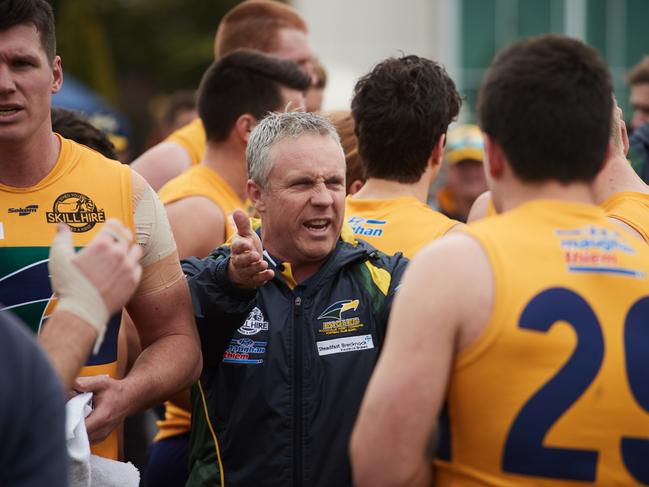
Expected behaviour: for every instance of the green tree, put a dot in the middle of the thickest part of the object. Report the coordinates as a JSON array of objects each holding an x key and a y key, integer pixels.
[{"x": 132, "y": 50}]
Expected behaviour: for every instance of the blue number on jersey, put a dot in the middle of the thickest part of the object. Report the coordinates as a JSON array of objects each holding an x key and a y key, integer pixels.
[
  {"x": 524, "y": 452},
  {"x": 635, "y": 451}
]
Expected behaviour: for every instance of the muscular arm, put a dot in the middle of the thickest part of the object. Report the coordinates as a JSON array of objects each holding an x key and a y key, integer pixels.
[
  {"x": 161, "y": 163},
  {"x": 391, "y": 439},
  {"x": 170, "y": 358},
  {"x": 162, "y": 313}
]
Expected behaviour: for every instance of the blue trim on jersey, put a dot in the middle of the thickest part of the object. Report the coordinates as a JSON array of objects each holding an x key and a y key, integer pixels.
[{"x": 606, "y": 270}]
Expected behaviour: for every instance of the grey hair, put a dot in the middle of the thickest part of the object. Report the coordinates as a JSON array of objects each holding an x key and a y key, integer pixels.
[{"x": 273, "y": 129}]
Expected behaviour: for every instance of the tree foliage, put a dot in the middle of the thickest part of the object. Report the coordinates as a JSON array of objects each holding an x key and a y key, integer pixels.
[{"x": 131, "y": 50}]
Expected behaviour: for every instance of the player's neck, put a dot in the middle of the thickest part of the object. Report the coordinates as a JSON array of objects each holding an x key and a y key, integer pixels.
[
  {"x": 382, "y": 189},
  {"x": 617, "y": 176},
  {"x": 230, "y": 163},
  {"x": 517, "y": 194},
  {"x": 27, "y": 163}
]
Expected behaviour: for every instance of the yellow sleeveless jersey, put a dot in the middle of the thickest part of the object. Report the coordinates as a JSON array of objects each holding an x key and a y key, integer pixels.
[
  {"x": 556, "y": 390},
  {"x": 631, "y": 208},
  {"x": 83, "y": 190},
  {"x": 198, "y": 180},
  {"x": 396, "y": 225},
  {"x": 192, "y": 138}
]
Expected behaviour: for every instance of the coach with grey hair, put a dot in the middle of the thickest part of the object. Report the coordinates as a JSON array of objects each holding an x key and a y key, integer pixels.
[{"x": 291, "y": 317}]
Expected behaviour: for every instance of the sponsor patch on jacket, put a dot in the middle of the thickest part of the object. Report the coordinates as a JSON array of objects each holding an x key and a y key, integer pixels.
[
  {"x": 255, "y": 322},
  {"x": 346, "y": 344},
  {"x": 77, "y": 210},
  {"x": 24, "y": 210},
  {"x": 244, "y": 351},
  {"x": 336, "y": 323}
]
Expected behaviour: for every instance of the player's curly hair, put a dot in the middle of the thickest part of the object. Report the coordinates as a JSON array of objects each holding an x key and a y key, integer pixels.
[{"x": 401, "y": 109}]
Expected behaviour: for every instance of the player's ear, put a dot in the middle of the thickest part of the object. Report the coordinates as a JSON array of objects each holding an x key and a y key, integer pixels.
[
  {"x": 57, "y": 74},
  {"x": 495, "y": 159},
  {"x": 356, "y": 185},
  {"x": 437, "y": 154},
  {"x": 244, "y": 125}
]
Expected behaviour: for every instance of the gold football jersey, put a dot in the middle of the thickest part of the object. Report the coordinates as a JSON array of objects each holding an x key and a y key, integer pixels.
[{"x": 555, "y": 392}]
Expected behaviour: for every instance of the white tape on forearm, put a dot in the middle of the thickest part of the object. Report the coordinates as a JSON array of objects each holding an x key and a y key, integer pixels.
[{"x": 74, "y": 292}]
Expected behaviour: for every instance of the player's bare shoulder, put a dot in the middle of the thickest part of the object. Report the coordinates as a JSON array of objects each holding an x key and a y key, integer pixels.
[{"x": 456, "y": 268}]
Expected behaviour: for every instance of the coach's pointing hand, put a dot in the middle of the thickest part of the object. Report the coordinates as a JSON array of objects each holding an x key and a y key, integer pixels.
[{"x": 247, "y": 269}]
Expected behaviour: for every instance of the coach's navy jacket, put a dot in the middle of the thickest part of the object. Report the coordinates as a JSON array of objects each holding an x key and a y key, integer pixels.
[{"x": 285, "y": 368}]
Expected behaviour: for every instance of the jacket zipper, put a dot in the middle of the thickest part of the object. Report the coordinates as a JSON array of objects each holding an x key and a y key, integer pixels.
[{"x": 297, "y": 398}]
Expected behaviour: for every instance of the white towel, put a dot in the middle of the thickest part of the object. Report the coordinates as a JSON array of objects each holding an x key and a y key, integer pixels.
[{"x": 88, "y": 470}]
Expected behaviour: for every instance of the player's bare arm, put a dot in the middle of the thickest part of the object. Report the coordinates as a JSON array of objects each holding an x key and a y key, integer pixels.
[
  {"x": 392, "y": 438},
  {"x": 161, "y": 163},
  {"x": 480, "y": 207},
  {"x": 165, "y": 324},
  {"x": 162, "y": 312},
  {"x": 198, "y": 225}
]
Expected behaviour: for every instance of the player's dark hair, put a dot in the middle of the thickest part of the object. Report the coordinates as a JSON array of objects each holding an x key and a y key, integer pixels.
[
  {"x": 242, "y": 82},
  {"x": 401, "y": 108},
  {"x": 547, "y": 102},
  {"x": 74, "y": 126},
  {"x": 180, "y": 101},
  {"x": 39, "y": 13}
]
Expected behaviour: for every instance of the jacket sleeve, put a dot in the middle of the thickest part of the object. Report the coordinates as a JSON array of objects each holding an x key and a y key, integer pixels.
[{"x": 219, "y": 307}]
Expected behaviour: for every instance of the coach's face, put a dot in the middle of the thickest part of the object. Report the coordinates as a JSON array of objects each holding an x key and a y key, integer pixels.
[
  {"x": 303, "y": 202},
  {"x": 27, "y": 82}
]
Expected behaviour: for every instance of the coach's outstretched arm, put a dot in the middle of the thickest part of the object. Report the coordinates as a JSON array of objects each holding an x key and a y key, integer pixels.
[{"x": 90, "y": 286}]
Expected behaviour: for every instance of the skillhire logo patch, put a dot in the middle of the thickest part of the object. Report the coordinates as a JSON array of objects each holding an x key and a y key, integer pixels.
[{"x": 77, "y": 210}]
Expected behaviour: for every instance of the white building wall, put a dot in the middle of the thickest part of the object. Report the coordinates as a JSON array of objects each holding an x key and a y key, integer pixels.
[{"x": 351, "y": 36}]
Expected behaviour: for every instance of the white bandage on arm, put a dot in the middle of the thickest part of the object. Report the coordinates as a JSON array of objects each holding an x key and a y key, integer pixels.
[
  {"x": 74, "y": 292},
  {"x": 160, "y": 265}
]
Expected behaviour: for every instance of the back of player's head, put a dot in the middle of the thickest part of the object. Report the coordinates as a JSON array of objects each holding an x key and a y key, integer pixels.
[
  {"x": 547, "y": 102},
  {"x": 254, "y": 24},
  {"x": 35, "y": 12},
  {"x": 74, "y": 126},
  {"x": 243, "y": 82},
  {"x": 401, "y": 108}
]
